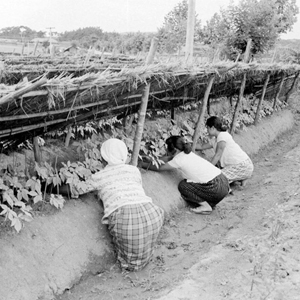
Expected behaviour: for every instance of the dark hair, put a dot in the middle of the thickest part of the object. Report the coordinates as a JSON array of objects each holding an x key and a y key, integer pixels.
[
  {"x": 216, "y": 122},
  {"x": 178, "y": 142}
]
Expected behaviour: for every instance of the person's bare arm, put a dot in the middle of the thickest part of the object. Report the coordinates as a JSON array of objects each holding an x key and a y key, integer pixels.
[
  {"x": 201, "y": 147},
  {"x": 152, "y": 167},
  {"x": 219, "y": 151}
]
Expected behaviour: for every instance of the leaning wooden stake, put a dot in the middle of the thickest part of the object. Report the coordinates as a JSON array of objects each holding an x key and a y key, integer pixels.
[
  {"x": 202, "y": 112},
  {"x": 237, "y": 106},
  {"x": 276, "y": 98},
  {"x": 257, "y": 114},
  {"x": 288, "y": 94},
  {"x": 241, "y": 93},
  {"x": 143, "y": 108}
]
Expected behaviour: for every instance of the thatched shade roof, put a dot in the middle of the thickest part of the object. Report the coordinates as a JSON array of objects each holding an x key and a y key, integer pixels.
[{"x": 26, "y": 110}]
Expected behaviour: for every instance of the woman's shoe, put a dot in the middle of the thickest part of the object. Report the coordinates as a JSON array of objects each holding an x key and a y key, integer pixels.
[{"x": 203, "y": 209}]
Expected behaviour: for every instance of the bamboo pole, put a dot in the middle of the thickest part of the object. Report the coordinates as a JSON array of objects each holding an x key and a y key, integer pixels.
[
  {"x": 81, "y": 118},
  {"x": 143, "y": 108},
  {"x": 22, "y": 91},
  {"x": 50, "y": 113},
  {"x": 189, "y": 43},
  {"x": 276, "y": 98},
  {"x": 202, "y": 112},
  {"x": 8, "y": 132},
  {"x": 288, "y": 94},
  {"x": 257, "y": 114}
]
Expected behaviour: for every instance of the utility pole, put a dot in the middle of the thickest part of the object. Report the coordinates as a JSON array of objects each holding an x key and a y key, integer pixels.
[
  {"x": 189, "y": 43},
  {"x": 50, "y": 34},
  {"x": 50, "y": 41}
]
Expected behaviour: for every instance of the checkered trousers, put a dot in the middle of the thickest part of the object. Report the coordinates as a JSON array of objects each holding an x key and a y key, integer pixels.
[
  {"x": 239, "y": 172},
  {"x": 212, "y": 192},
  {"x": 135, "y": 229}
]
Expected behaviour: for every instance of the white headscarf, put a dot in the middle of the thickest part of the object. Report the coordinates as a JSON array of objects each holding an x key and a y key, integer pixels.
[{"x": 114, "y": 151}]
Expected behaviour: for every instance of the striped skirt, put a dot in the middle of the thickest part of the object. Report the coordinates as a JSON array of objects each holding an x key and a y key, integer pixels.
[
  {"x": 134, "y": 229},
  {"x": 239, "y": 172},
  {"x": 212, "y": 192}
]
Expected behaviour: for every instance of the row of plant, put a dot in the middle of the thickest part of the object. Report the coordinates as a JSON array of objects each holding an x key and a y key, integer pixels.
[{"x": 17, "y": 195}]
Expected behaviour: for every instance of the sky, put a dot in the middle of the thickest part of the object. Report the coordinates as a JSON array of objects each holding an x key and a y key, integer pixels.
[{"x": 109, "y": 15}]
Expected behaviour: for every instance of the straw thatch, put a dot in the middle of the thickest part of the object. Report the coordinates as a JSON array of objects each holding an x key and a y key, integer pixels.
[{"x": 47, "y": 103}]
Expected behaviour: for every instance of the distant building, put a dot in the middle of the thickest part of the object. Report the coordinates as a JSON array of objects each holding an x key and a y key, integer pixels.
[{"x": 43, "y": 40}]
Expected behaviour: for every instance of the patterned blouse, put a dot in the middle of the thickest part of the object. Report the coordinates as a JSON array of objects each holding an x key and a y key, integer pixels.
[{"x": 117, "y": 186}]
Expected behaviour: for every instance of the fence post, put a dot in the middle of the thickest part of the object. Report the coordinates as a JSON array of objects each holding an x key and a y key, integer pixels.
[
  {"x": 261, "y": 99},
  {"x": 202, "y": 112},
  {"x": 143, "y": 108}
]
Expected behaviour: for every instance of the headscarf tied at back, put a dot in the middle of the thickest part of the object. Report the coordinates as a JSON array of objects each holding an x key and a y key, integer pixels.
[{"x": 114, "y": 151}]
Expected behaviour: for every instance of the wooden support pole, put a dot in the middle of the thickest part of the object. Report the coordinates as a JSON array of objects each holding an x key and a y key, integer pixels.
[
  {"x": 237, "y": 106},
  {"x": 242, "y": 88},
  {"x": 248, "y": 51},
  {"x": 288, "y": 94},
  {"x": 276, "y": 98},
  {"x": 143, "y": 108},
  {"x": 51, "y": 113},
  {"x": 189, "y": 43},
  {"x": 257, "y": 114},
  {"x": 68, "y": 137},
  {"x": 202, "y": 112},
  {"x": 128, "y": 123},
  {"x": 172, "y": 113},
  {"x": 37, "y": 150}
]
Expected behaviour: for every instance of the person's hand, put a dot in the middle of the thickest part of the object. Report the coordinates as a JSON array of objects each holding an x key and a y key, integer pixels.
[{"x": 146, "y": 159}]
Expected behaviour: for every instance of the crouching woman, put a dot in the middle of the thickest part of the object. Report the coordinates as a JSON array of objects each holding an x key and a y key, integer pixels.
[
  {"x": 133, "y": 220},
  {"x": 203, "y": 183}
]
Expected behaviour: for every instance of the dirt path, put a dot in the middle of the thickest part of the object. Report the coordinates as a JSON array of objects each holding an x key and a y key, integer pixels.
[{"x": 247, "y": 249}]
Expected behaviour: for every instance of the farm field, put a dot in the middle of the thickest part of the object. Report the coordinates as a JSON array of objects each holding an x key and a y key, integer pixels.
[{"x": 247, "y": 249}]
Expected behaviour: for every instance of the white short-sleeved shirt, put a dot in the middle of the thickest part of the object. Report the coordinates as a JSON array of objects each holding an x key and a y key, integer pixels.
[
  {"x": 233, "y": 154},
  {"x": 194, "y": 168}
]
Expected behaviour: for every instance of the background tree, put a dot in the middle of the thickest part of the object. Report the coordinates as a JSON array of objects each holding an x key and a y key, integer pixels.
[
  {"x": 172, "y": 34},
  {"x": 20, "y": 33},
  {"x": 263, "y": 21}
]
